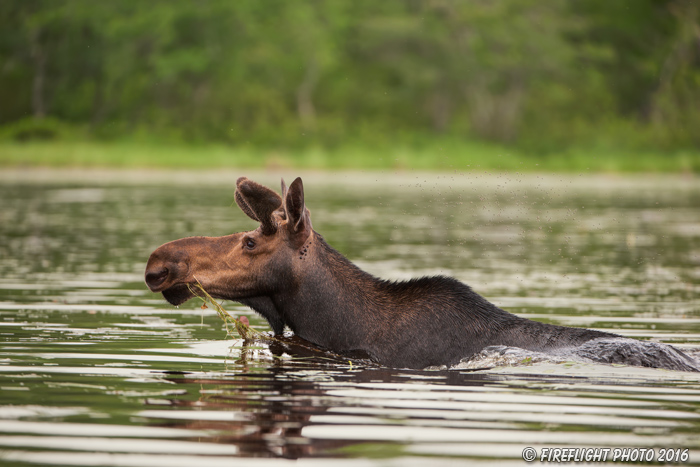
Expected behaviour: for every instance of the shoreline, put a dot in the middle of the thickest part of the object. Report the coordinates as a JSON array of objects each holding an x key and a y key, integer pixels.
[{"x": 409, "y": 179}]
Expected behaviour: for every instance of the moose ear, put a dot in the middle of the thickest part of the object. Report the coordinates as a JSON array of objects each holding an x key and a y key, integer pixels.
[
  {"x": 258, "y": 202},
  {"x": 284, "y": 189},
  {"x": 297, "y": 214}
]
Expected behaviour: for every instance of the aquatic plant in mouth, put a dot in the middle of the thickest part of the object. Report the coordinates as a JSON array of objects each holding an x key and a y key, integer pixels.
[{"x": 243, "y": 329}]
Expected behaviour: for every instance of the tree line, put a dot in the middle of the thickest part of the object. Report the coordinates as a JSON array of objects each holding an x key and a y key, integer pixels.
[{"x": 532, "y": 73}]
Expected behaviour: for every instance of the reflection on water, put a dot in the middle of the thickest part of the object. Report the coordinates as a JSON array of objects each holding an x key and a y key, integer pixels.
[{"x": 96, "y": 370}]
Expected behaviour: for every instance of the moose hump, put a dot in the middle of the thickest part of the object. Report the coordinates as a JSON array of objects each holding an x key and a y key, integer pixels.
[{"x": 285, "y": 271}]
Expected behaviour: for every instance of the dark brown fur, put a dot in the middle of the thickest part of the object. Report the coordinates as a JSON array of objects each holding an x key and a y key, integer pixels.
[{"x": 286, "y": 271}]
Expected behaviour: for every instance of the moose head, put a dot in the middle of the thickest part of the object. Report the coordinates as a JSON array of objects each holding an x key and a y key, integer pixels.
[{"x": 248, "y": 267}]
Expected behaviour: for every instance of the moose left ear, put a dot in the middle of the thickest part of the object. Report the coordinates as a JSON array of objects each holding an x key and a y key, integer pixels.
[
  {"x": 297, "y": 214},
  {"x": 258, "y": 202},
  {"x": 284, "y": 189}
]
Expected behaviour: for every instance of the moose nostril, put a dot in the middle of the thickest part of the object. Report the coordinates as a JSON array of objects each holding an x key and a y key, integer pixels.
[{"x": 156, "y": 278}]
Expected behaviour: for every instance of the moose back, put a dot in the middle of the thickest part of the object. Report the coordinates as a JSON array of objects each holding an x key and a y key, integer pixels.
[{"x": 285, "y": 271}]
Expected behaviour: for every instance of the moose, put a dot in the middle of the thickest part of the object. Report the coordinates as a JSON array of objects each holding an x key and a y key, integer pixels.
[{"x": 285, "y": 271}]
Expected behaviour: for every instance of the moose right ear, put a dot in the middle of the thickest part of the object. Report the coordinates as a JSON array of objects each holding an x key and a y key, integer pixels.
[
  {"x": 299, "y": 219},
  {"x": 258, "y": 202}
]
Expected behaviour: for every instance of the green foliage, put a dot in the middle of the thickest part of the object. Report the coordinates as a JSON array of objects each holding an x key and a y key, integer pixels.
[
  {"x": 445, "y": 154},
  {"x": 539, "y": 77},
  {"x": 32, "y": 129}
]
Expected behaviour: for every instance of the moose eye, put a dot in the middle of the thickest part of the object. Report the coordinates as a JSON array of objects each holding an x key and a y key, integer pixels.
[{"x": 249, "y": 243}]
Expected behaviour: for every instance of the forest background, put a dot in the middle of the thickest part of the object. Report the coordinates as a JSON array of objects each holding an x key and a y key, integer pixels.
[{"x": 526, "y": 85}]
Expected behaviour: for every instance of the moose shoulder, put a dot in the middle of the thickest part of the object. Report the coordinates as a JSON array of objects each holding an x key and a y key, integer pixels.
[{"x": 285, "y": 271}]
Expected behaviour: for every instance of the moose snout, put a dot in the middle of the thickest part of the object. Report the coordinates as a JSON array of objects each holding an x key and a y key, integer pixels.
[
  {"x": 169, "y": 264},
  {"x": 165, "y": 268},
  {"x": 156, "y": 276}
]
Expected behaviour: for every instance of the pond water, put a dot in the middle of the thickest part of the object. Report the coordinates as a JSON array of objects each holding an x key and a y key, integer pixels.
[{"x": 96, "y": 370}]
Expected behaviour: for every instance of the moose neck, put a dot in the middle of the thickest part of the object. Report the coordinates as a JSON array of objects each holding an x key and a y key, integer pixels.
[{"x": 333, "y": 302}]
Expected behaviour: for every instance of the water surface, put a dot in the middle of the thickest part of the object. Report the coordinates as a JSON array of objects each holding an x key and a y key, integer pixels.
[{"x": 94, "y": 369}]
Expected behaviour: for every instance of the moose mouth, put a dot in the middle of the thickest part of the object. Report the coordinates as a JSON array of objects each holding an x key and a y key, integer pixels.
[{"x": 178, "y": 294}]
